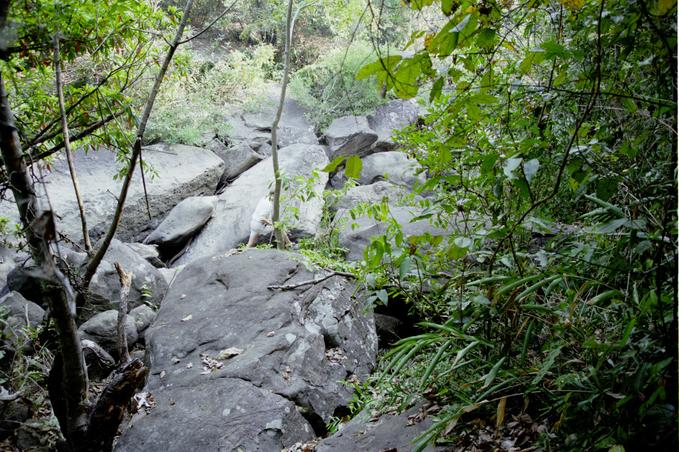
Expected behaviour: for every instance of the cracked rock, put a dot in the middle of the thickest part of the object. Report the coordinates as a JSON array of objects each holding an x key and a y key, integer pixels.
[{"x": 231, "y": 307}]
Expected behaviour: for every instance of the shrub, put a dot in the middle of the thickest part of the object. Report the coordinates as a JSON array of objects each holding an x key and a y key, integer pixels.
[{"x": 329, "y": 89}]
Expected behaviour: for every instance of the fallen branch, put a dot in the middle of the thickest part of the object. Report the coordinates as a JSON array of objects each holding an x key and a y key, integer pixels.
[{"x": 312, "y": 281}]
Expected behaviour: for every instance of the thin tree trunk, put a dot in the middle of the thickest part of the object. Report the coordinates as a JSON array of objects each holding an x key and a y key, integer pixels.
[
  {"x": 67, "y": 145},
  {"x": 280, "y": 243},
  {"x": 125, "y": 283},
  {"x": 39, "y": 229},
  {"x": 94, "y": 262}
]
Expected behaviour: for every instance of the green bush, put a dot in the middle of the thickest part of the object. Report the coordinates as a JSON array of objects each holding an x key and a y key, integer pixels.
[
  {"x": 329, "y": 89},
  {"x": 192, "y": 105}
]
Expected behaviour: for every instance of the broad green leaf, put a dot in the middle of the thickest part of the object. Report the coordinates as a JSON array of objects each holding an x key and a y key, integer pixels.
[
  {"x": 332, "y": 166},
  {"x": 447, "y": 6},
  {"x": 382, "y": 65},
  {"x": 436, "y": 88},
  {"x": 353, "y": 167},
  {"x": 486, "y": 38}
]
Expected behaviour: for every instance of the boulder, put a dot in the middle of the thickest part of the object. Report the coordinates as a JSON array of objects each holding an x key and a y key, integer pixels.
[
  {"x": 230, "y": 224},
  {"x": 350, "y": 135},
  {"x": 182, "y": 171},
  {"x": 102, "y": 329},
  {"x": 231, "y": 355},
  {"x": 371, "y": 194},
  {"x": 183, "y": 221},
  {"x": 228, "y": 414},
  {"x": 18, "y": 315},
  {"x": 237, "y": 159},
  {"x": 8, "y": 260},
  {"x": 149, "y": 253},
  {"x": 356, "y": 234},
  {"x": 148, "y": 284},
  {"x": 389, "y": 118},
  {"x": 253, "y": 127},
  {"x": 386, "y": 433},
  {"x": 395, "y": 167},
  {"x": 143, "y": 317}
]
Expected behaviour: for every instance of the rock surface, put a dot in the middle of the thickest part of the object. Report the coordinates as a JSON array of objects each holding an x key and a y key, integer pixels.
[
  {"x": 230, "y": 224},
  {"x": 371, "y": 194},
  {"x": 183, "y": 221},
  {"x": 350, "y": 135},
  {"x": 356, "y": 239},
  {"x": 148, "y": 284},
  {"x": 232, "y": 361},
  {"x": 183, "y": 171},
  {"x": 389, "y": 118},
  {"x": 394, "y": 167},
  {"x": 237, "y": 159},
  {"x": 20, "y": 314},
  {"x": 387, "y": 433},
  {"x": 102, "y": 329}
]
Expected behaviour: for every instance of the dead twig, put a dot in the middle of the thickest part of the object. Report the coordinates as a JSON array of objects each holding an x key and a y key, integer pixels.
[
  {"x": 125, "y": 284},
  {"x": 312, "y": 281}
]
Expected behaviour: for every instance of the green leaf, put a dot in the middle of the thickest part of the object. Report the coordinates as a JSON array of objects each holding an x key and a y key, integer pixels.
[
  {"x": 490, "y": 376},
  {"x": 546, "y": 366},
  {"x": 353, "y": 167},
  {"x": 486, "y": 38},
  {"x": 436, "y": 88},
  {"x": 332, "y": 166},
  {"x": 447, "y": 6},
  {"x": 405, "y": 267},
  {"x": 382, "y": 65}
]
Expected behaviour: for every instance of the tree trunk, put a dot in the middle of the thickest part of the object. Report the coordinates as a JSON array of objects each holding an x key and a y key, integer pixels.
[{"x": 280, "y": 242}]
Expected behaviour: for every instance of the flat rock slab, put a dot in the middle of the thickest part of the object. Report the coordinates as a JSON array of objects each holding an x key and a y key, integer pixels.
[
  {"x": 389, "y": 432},
  {"x": 230, "y": 223},
  {"x": 240, "y": 361},
  {"x": 226, "y": 415},
  {"x": 182, "y": 171},
  {"x": 371, "y": 194}
]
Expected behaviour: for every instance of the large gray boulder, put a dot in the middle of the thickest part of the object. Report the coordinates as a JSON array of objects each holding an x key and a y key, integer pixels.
[
  {"x": 230, "y": 224},
  {"x": 356, "y": 234},
  {"x": 148, "y": 284},
  {"x": 371, "y": 194},
  {"x": 395, "y": 167},
  {"x": 386, "y": 433},
  {"x": 350, "y": 135},
  {"x": 238, "y": 158},
  {"x": 182, "y": 171},
  {"x": 389, "y": 118},
  {"x": 183, "y": 221},
  {"x": 102, "y": 329},
  {"x": 235, "y": 360},
  {"x": 19, "y": 315}
]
